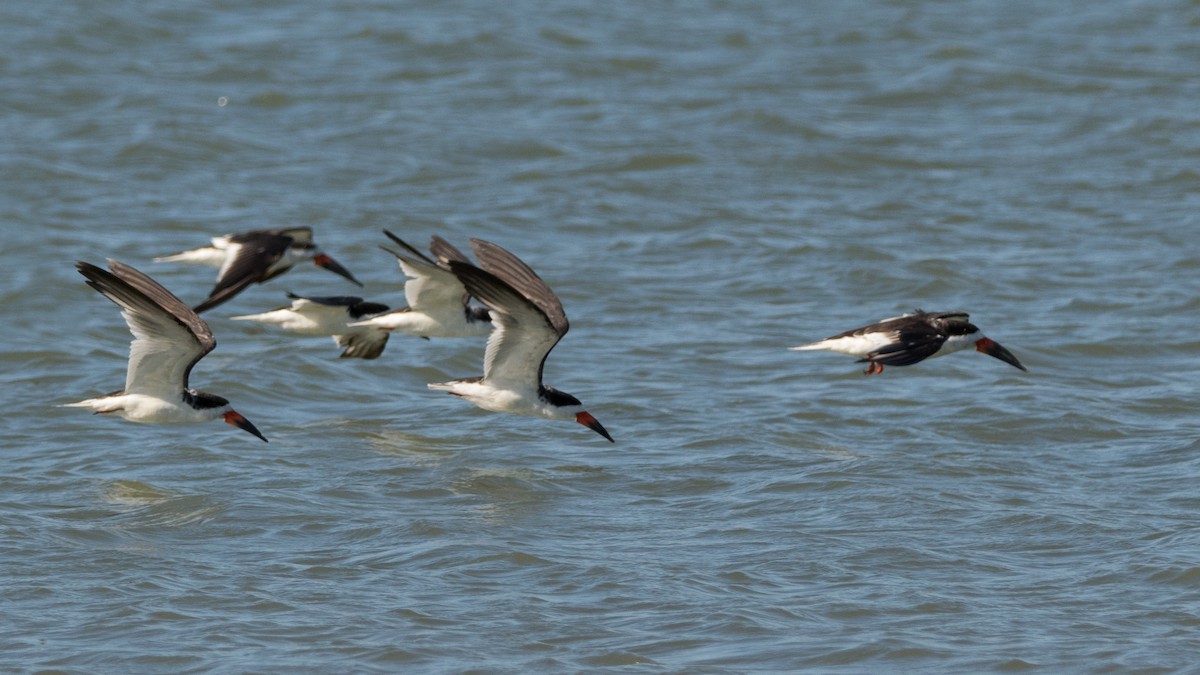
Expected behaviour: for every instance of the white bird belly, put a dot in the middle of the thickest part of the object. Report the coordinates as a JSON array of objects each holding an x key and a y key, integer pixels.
[
  {"x": 490, "y": 398},
  {"x": 853, "y": 345},
  {"x": 144, "y": 409},
  {"x": 421, "y": 324}
]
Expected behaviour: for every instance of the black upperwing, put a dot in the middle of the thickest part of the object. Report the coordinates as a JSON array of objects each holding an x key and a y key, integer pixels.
[{"x": 257, "y": 251}]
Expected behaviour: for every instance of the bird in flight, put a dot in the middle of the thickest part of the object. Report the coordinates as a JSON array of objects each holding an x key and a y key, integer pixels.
[
  {"x": 912, "y": 338},
  {"x": 255, "y": 257},
  {"x": 336, "y": 317},
  {"x": 169, "y": 338},
  {"x": 528, "y": 322},
  {"x": 437, "y": 300}
]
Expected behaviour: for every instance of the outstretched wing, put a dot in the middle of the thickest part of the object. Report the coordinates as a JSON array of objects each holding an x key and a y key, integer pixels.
[
  {"x": 514, "y": 272},
  {"x": 169, "y": 337},
  {"x": 444, "y": 251},
  {"x": 431, "y": 288},
  {"x": 523, "y": 334},
  {"x": 248, "y": 259},
  {"x": 913, "y": 342},
  {"x": 367, "y": 345},
  {"x": 350, "y": 306}
]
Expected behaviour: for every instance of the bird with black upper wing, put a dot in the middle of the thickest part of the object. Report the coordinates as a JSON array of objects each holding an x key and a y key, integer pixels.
[
  {"x": 912, "y": 338},
  {"x": 528, "y": 322},
  {"x": 169, "y": 338},
  {"x": 255, "y": 257}
]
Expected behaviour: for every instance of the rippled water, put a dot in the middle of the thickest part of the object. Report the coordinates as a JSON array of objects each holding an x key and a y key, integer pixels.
[{"x": 704, "y": 185}]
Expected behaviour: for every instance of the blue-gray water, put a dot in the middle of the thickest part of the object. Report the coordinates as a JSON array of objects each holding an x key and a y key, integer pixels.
[{"x": 704, "y": 184}]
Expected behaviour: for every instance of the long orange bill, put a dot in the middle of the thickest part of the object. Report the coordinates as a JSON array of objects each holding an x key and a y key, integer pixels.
[
  {"x": 993, "y": 348},
  {"x": 590, "y": 422},
  {"x": 236, "y": 419},
  {"x": 323, "y": 260}
]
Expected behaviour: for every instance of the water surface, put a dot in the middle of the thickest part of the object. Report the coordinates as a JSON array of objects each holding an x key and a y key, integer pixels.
[{"x": 704, "y": 185}]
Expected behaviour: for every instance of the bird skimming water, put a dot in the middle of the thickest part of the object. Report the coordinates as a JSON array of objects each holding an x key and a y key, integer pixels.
[
  {"x": 168, "y": 339},
  {"x": 529, "y": 321},
  {"x": 912, "y": 338},
  {"x": 255, "y": 257}
]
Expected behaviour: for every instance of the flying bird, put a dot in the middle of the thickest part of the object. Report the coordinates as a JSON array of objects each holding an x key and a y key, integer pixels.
[
  {"x": 336, "y": 317},
  {"x": 255, "y": 257},
  {"x": 911, "y": 338},
  {"x": 528, "y": 321},
  {"x": 437, "y": 301},
  {"x": 168, "y": 339}
]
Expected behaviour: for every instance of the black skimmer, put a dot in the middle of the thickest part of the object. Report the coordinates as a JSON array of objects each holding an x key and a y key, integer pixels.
[
  {"x": 168, "y": 339},
  {"x": 528, "y": 321},
  {"x": 331, "y": 316},
  {"x": 911, "y": 338},
  {"x": 255, "y": 257},
  {"x": 437, "y": 300}
]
